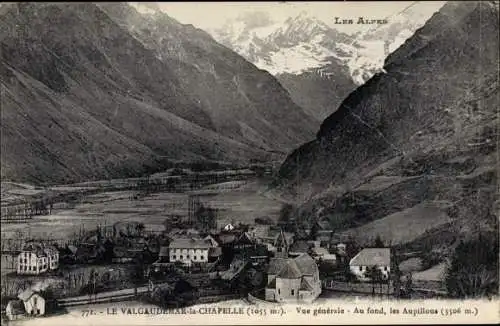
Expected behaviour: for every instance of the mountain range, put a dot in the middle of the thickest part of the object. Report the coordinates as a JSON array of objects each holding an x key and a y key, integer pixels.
[
  {"x": 317, "y": 63},
  {"x": 415, "y": 147},
  {"x": 92, "y": 91}
]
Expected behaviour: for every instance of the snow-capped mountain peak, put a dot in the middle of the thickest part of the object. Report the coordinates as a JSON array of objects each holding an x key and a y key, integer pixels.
[{"x": 304, "y": 43}]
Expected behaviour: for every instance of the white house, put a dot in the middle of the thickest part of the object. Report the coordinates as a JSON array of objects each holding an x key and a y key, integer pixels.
[
  {"x": 368, "y": 258},
  {"x": 37, "y": 258},
  {"x": 34, "y": 303},
  {"x": 15, "y": 310},
  {"x": 320, "y": 253},
  {"x": 292, "y": 279},
  {"x": 228, "y": 227},
  {"x": 188, "y": 251}
]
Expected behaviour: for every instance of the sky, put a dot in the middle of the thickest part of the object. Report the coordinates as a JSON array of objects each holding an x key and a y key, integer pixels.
[{"x": 212, "y": 15}]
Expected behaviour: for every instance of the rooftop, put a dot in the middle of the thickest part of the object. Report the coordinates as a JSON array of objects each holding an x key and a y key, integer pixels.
[
  {"x": 297, "y": 267},
  {"x": 191, "y": 243},
  {"x": 372, "y": 257},
  {"x": 26, "y": 294}
]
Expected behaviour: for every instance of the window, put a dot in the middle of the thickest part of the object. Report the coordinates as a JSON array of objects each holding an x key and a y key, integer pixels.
[
  {"x": 174, "y": 257},
  {"x": 182, "y": 257},
  {"x": 293, "y": 292},
  {"x": 278, "y": 291},
  {"x": 187, "y": 257},
  {"x": 34, "y": 301},
  {"x": 360, "y": 268},
  {"x": 279, "y": 249},
  {"x": 195, "y": 257},
  {"x": 385, "y": 268},
  {"x": 202, "y": 257}
]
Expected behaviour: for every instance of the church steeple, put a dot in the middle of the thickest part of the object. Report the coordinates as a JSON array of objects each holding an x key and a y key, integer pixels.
[{"x": 281, "y": 245}]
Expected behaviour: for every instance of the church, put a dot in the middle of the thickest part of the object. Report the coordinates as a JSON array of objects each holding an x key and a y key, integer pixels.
[{"x": 291, "y": 278}]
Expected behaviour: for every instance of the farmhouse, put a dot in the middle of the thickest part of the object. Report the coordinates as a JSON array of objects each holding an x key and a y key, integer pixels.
[
  {"x": 369, "y": 258},
  {"x": 188, "y": 251},
  {"x": 291, "y": 278}
]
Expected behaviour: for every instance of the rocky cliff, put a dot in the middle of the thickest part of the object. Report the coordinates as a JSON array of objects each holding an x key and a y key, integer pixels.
[{"x": 423, "y": 132}]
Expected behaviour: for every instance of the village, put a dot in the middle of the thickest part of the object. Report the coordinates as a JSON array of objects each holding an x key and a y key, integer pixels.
[
  {"x": 190, "y": 262},
  {"x": 193, "y": 258}
]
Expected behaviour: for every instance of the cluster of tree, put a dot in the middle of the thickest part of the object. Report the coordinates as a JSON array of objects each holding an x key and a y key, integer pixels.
[
  {"x": 205, "y": 218},
  {"x": 473, "y": 271},
  {"x": 287, "y": 218}
]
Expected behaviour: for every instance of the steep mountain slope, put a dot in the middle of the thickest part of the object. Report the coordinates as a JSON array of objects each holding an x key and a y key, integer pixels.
[
  {"x": 303, "y": 54},
  {"x": 81, "y": 99},
  {"x": 243, "y": 102},
  {"x": 426, "y": 131},
  {"x": 319, "y": 91}
]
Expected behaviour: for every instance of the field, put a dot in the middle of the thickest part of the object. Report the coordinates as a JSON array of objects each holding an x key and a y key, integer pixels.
[
  {"x": 241, "y": 202},
  {"x": 403, "y": 226},
  {"x": 435, "y": 273}
]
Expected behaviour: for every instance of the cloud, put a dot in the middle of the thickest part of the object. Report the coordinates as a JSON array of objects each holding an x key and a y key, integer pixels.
[{"x": 254, "y": 19}]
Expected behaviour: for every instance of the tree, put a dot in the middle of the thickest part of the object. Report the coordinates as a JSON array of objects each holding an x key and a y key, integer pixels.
[
  {"x": 378, "y": 243},
  {"x": 137, "y": 276},
  {"x": 397, "y": 274},
  {"x": 473, "y": 271},
  {"x": 206, "y": 218},
  {"x": 286, "y": 213},
  {"x": 108, "y": 250},
  {"x": 409, "y": 284},
  {"x": 314, "y": 230},
  {"x": 375, "y": 276},
  {"x": 139, "y": 228},
  {"x": 92, "y": 283}
]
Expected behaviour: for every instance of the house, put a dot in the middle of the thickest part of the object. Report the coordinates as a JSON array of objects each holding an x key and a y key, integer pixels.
[
  {"x": 341, "y": 252},
  {"x": 341, "y": 248},
  {"x": 300, "y": 247},
  {"x": 123, "y": 255},
  {"x": 37, "y": 258},
  {"x": 162, "y": 263},
  {"x": 369, "y": 258},
  {"x": 191, "y": 250},
  {"x": 228, "y": 227},
  {"x": 244, "y": 241},
  {"x": 292, "y": 278},
  {"x": 324, "y": 237},
  {"x": 34, "y": 303},
  {"x": 267, "y": 234},
  {"x": 320, "y": 253},
  {"x": 53, "y": 256},
  {"x": 226, "y": 239},
  {"x": 212, "y": 240},
  {"x": 15, "y": 310},
  {"x": 72, "y": 249}
]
